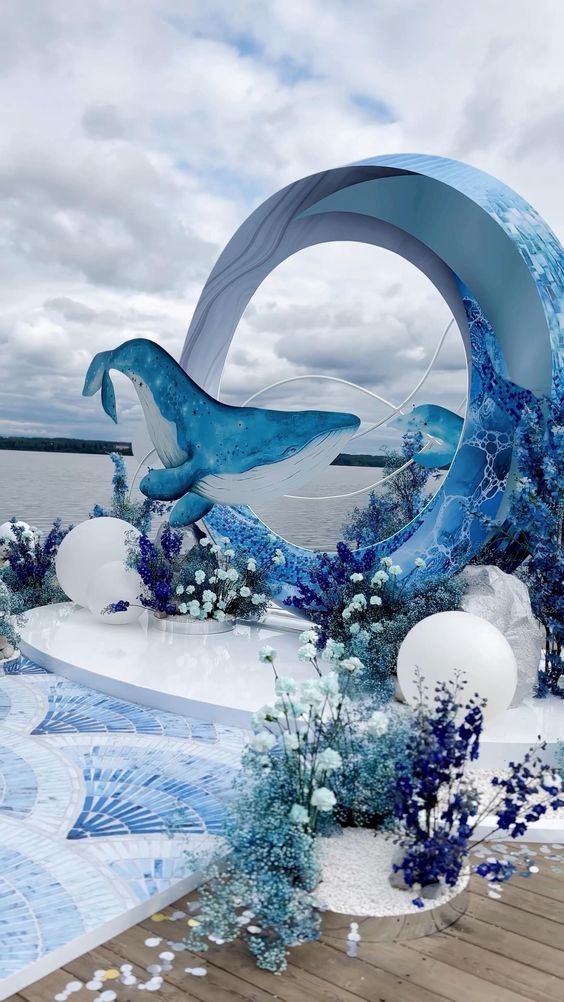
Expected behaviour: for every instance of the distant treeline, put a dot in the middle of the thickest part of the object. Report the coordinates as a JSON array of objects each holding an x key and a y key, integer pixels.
[
  {"x": 362, "y": 459},
  {"x": 93, "y": 446}
]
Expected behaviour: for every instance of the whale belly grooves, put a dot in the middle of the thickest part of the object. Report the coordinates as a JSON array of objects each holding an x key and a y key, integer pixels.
[
  {"x": 162, "y": 432},
  {"x": 272, "y": 479}
]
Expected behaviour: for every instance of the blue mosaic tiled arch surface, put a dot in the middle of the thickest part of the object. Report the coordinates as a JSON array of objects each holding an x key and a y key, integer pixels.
[
  {"x": 499, "y": 267},
  {"x": 143, "y": 787}
]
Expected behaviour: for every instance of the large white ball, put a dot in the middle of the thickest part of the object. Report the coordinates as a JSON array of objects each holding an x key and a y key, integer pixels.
[
  {"x": 86, "y": 548},
  {"x": 113, "y": 582},
  {"x": 439, "y": 645}
]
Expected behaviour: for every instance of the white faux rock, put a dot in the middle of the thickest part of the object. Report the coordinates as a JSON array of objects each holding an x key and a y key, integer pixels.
[
  {"x": 504, "y": 601},
  {"x": 355, "y": 871}
]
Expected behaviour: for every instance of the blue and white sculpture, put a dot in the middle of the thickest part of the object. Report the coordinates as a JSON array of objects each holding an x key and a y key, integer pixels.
[
  {"x": 501, "y": 271},
  {"x": 442, "y": 425},
  {"x": 214, "y": 453}
]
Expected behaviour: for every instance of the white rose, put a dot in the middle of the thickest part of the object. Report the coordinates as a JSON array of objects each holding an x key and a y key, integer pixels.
[
  {"x": 263, "y": 742},
  {"x": 323, "y": 798},
  {"x": 377, "y": 724}
]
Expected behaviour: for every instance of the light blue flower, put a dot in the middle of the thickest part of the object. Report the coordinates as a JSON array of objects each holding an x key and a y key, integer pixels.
[
  {"x": 199, "y": 577},
  {"x": 352, "y": 665},
  {"x": 180, "y": 589},
  {"x": 267, "y": 655},
  {"x": 329, "y": 760},
  {"x": 299, "y": 815},
  {"x": 323, "y": 798},
  {"x": 245, "y": 592},
  {"x": 308, "y": 652},
  {"x": 263, "y": 742},
  {"x": 284, "y": 685}
]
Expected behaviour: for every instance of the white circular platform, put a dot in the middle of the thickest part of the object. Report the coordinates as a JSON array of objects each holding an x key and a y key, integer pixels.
[
  {"x": 220, "y": 677},
  {"x": 214, "y": 677}
]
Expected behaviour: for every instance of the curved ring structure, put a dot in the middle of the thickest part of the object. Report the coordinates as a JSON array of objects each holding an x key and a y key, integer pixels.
[{"x": 498, "y": 266}]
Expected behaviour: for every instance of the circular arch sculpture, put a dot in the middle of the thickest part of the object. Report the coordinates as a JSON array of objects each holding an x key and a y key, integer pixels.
[{"x": 499, "y": 268}]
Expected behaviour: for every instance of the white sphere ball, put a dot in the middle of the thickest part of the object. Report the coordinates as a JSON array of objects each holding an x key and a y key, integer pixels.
[
  {"x": 113, "y": 582},
  {"x": 7, "y": 531},
  {"x": 86, "y": 548},
  {"x": 439, "y": 645}
]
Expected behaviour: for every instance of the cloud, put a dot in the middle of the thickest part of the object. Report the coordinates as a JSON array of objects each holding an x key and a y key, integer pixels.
[{"x": 136, "y": 138}]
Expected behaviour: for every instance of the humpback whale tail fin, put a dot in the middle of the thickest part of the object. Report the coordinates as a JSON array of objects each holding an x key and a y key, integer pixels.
[{"x": 98, "y": 377}]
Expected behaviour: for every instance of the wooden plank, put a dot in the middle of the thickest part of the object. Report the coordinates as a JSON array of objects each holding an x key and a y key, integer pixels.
[
  {"x": 82, "y": 969},
  {"x": 526, "y": 899},
  {"x": 509, "y": 945},
  {"x": 506, "y": 916},
  {"x": 549, "y": 885},
  {"x": 365, "y": 980},
  {"x": 217, "y": 986},
  {"x": 436, "y": 976},
  {"x": 464, "y": 956},
  {"x": 295, "y": 985}
]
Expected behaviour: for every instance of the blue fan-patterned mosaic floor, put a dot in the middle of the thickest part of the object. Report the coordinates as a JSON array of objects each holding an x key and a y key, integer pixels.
[{"x": 100, "y": 800}]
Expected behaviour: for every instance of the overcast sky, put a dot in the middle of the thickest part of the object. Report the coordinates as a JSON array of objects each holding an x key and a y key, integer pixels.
[{"x": 137, "y": 136}]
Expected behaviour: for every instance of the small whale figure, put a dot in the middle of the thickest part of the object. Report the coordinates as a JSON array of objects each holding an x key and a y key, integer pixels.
[
  {"x": 212, "y": 452},
  {"x": 440, "y": 423}
]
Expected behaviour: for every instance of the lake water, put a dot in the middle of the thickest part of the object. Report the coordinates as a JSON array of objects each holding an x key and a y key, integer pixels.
[{"x": 38, "y": 486}]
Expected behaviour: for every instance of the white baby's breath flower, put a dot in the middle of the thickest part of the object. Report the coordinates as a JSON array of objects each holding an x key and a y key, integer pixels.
[
  {"x": 219, "y": 615},
  {"x": 285, "y": 685},
  {"x": 251, "y": 564},
  {"x": 180, "y": 589},
  {"x": 279, "y": 559},
  {"x": 352, "y": 665},
  {"x": 329, "y": 684},
  {"x": 375, "y": 600},
  {"x": 263, "y": 742},
  {"x": 386, "y": 561},
  {"x": 221, "y": 574},
  {"x": 209, "y": 596},
  {"x": 356, "y": 576},
  {"x": 323, "y": 798},
  {"x": 379, "y": 579},
  {"x": 229, "y": 553},
  {"x": 310, "y": 693},
  {"x": 258, "y": 599},
  {"x": 267, "y": 654},
  {"x": 419, "y": 562},
  {"x": 245, "y": 592},
  {"x": 299, "y": 815},
  {"x": 329, "y": 760},
  {"x": 190, "y": 590},
  {"x": 232, "y": 574},
  {"x": 395, "y": 569},
  {"x": 308, "y": 636},
  {"x": 308, "y": 652},
  {"x": 183, "y": 608},
  {"x": 354, "y": 628},
  {"x": 377, "y": 724},
  {"x": 199, "y": 577},
  {"x": 291, "y": 741},
  {"x": 205, "y": 541}
]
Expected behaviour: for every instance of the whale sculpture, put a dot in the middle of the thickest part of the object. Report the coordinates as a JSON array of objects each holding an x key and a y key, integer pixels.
[
  {"x": 212, "y": 452},
  {"x": 443, "y": 425}
]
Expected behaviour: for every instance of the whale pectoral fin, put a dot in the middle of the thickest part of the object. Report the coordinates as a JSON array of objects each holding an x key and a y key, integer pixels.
[
  {"x": 109, "y": 396},
  {"x": 189, "y": 509},
  {"x": 170, "y": 483}
]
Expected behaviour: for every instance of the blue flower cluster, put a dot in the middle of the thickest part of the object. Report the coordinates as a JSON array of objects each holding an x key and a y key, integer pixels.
[
  {"x": 138, "y": 513},
  {"x": 437, "y": 805},
  {"x": 371, "y": 608},
  {"x": 29, "y": 572}
]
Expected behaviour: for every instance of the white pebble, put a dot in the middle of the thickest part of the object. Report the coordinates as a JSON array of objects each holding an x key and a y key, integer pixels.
[
  {"x": 126, "y": 968},
  {"x": 95, "y": 985},
  {"x": 100, "y": 973},
  {"x": 73, "y": 986},
  {"x": 178, "y": 915},
  {"x": 167, "y": 955},
  {"x": 198, "y": 972},
  {"x": 61, "y": 997},
  {"x": 107, "y": 997},
  {"x": 355, "y": 870},
  {"x": 152, "y": 941},
  {"x": 128, "y": 979}
]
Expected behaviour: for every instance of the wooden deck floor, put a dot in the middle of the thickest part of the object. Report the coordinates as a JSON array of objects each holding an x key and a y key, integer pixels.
[{"x": 500, "y": 951}]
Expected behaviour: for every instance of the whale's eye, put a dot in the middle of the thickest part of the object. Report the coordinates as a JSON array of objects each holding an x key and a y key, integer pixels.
[{"x": 290, "y": 450}]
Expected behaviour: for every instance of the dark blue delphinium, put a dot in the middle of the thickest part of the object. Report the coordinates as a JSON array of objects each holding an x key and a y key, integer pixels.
[
  {"x": 437, "y": 804},
  {"x": 138, "y": 513},
  {"x": 30, "y": 569}
]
